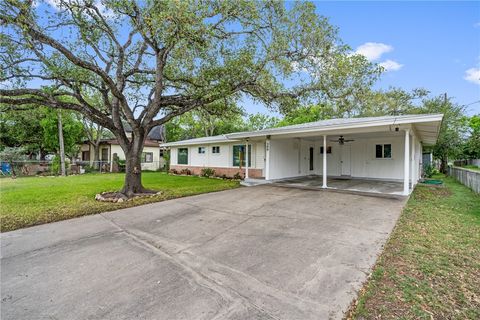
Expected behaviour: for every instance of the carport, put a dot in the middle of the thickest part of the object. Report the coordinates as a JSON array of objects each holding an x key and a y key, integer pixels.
[
  {"x": 345, "y": 184},
  {"x": 377, "y": 155}
]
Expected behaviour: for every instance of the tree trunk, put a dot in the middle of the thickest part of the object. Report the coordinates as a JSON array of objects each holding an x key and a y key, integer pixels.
[
  {"x": 96, "y": 156},
  {"x": 133, "y": 170},
  {"x": 62, "y": 147},
  {"x": 443, "y": 165}
]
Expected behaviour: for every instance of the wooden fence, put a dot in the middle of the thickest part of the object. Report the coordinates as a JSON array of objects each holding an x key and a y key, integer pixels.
[{"x": 467, "y": 177}]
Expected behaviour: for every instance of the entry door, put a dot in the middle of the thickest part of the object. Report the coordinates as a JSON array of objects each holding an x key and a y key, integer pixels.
[{"x": 345, "y": 160}]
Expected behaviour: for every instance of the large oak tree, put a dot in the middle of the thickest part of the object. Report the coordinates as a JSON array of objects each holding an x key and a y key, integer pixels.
[{"x": 151, "y": 61}]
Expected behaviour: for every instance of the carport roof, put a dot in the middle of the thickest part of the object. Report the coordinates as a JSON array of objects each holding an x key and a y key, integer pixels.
[{"x": 426, "y": 126}]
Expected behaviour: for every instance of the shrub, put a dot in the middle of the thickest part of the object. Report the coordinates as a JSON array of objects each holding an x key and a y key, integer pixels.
[
  {"x": 186, "y": 172},
  {"x": 121, "y": 165},
  {"x": 429, "y": 170},
  {"x": 224, "y": 176},
  {"x": 56, "y": 165},
  {"x": 207, "y": 172},
  {"x": 89, "y": 169},
  {"x": 237, "y": 176},
  {"x": 173, "y": 171}
]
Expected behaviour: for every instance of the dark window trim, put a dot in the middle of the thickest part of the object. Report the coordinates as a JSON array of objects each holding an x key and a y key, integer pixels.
[
  {"x": 382, "y": 151},
  {"x": 329, "y": 149},
  {"x": 213, "y": 149},
  {"x": 144, "y": 157},
  {"x": 242, "y": 163},
  {"x": 178, "y": 156}
]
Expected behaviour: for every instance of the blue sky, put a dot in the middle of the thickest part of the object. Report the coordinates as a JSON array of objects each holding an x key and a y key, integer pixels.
[
  {"x": 431, "y": 45},
  {"x": 426, "y": 44}
]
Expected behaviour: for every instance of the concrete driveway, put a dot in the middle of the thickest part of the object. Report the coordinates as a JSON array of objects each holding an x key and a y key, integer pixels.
[{"x": 262, "y": 252}]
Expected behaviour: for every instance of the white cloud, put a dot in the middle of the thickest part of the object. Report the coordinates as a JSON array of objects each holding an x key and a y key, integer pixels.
[
  {"x": 473, "y": 75},
  {"x": 373, "y": 50},
  {"x": 391, "y": 65}
]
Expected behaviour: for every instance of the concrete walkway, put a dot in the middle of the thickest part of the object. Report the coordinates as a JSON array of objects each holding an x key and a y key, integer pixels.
[{"x": 252, "y": 253}]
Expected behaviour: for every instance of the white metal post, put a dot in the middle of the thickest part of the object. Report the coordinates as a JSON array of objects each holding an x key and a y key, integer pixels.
[
  {"x": 246, "y": 159},
  {"x": 267, "y": 159},
  {"x": 413, "y": 168},
  {"x": 406, "y": 163},
  {"x": 324, "y": 185}
]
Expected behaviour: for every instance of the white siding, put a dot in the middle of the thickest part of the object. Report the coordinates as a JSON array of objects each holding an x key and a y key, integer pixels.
[
  {"x": 285, "y": 160},
  {"x": 155, "y": 165},
  {"x": 224, "y": 159},
  {"x": 290, "y": 157}
]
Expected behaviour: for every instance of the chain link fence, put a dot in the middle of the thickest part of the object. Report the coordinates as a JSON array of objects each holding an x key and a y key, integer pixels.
[{"x": 46, "y": 168}]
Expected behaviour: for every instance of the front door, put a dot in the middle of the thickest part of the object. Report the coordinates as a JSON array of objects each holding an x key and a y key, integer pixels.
[{"x": 345, "y": 160}]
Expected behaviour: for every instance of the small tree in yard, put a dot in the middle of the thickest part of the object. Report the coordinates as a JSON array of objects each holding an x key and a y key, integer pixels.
[{"x": 151, "y": 61}]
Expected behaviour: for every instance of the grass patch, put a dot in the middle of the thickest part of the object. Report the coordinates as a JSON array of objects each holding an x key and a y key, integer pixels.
[
  {"x": 430, "y": 267},
  {"x": 31, "y": 201}
]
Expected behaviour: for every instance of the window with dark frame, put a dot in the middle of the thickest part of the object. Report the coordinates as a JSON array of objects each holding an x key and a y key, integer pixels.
[
  {"x": 239, "y": 155},
  {"x": 85, "y": 155},
  {"x": 147, "y": 157},
  {"x": 216, "y": 149},
  {"x": 201, "y": 150},
  {"x": 383, "y": 151},
  {"x": 104, "y": 154},
  {"x": 182, "y": 156},
  {"x": 329, "y": 149}
]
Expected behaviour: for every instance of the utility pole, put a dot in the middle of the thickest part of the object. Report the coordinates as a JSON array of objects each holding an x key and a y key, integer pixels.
[{"x": 60, "y": 142}]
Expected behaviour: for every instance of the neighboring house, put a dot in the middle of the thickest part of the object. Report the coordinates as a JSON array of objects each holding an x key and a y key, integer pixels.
[
  {"x": 381, "y": 148},
  {"x": 151, "y": 155}
]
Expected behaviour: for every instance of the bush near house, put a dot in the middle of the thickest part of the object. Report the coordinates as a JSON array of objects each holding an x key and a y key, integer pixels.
[
  {"x": 28, "y": 201},
  {"x": 207, "y": 172},
  {"x": 430, "y": 267}
]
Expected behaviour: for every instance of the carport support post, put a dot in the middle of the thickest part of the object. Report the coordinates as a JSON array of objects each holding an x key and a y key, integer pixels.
[
  {"x": 324, "y": 176},
  {"x": 246, "y": 159},
  {"x": 406, "y": 163}
]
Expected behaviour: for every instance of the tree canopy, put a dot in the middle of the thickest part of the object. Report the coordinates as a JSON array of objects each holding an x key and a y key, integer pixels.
[{"x": 151, "y": 61}]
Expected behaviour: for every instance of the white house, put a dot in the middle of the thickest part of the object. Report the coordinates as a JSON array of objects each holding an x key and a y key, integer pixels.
[
  {"x": 151, "y": 158},
  {"x": 385, "y": 148}
]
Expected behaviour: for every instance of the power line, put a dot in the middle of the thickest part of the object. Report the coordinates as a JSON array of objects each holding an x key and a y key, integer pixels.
[{"x": 469, "y": 104}]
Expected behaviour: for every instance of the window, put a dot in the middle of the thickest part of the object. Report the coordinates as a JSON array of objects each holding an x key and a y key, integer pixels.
[
  {"x": 85, "y": 155},
  {"x": 201, "y": 150},
  {"x": 216, "y": 149},
  {"x": 147, "y": 157},
  {"x": 162, "y": 153},
  {"x": 104, "y": 155},
  {"x": 182, "y": 156},
  {"x": 383, "y": 151},
  {"x": 329, "y": 149},
  {"x": 239, "y": 155}
]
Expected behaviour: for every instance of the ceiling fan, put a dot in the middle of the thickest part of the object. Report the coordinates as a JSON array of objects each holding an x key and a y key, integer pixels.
[{"x": 342, "y": 140}]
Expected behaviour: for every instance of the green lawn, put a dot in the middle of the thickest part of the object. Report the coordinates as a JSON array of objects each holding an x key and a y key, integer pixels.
[
  {"x": 430, "y": 268},
  {"x": 35, "y": 200}
]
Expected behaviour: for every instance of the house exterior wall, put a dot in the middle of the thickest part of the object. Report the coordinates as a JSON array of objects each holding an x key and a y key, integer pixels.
[
  {"x": 155, "y": 165},
  {"x": 221, "y": 162},
  {"x": 290, "y": 157}
]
